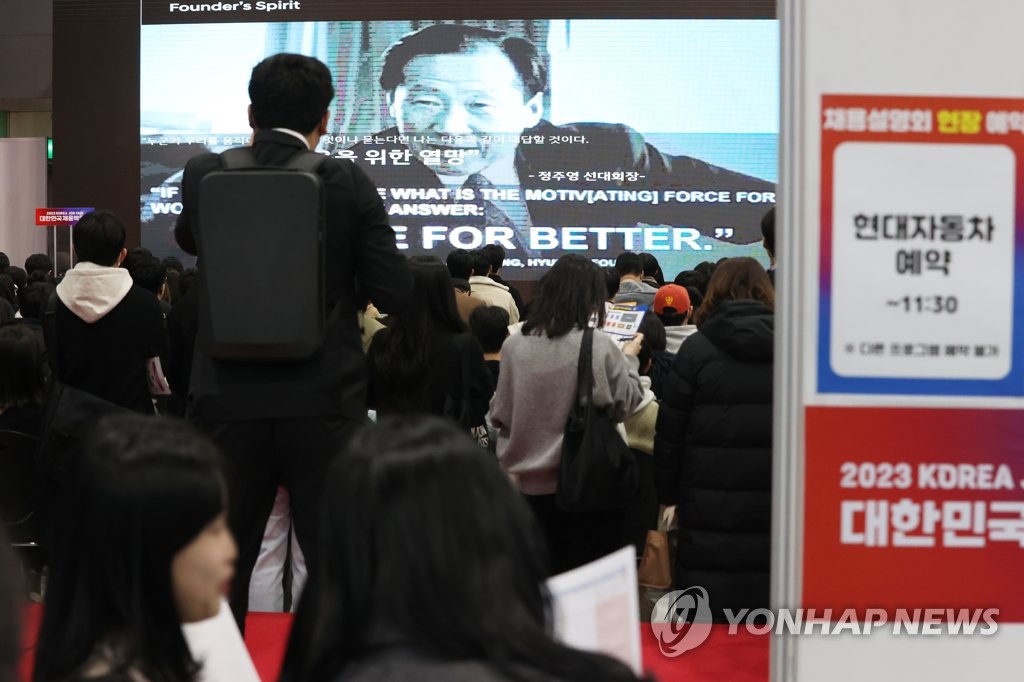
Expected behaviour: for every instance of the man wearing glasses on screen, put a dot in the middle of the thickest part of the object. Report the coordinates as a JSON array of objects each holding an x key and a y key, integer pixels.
[{"x": 468, "y": 103}]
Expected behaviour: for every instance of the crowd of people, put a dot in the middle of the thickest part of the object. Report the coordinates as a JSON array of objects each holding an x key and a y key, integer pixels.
[
  {"x": 419, "y": 443},
  {"x": 703, "y": 432}
]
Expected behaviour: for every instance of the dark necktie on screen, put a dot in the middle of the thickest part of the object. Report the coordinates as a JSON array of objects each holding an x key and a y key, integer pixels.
[{"x": 511, "y": 213}]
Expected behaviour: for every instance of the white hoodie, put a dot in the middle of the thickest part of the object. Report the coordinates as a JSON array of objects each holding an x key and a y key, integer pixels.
[
  {"x": 674, "y": 336},
  {"x": 91, "y": 291}
]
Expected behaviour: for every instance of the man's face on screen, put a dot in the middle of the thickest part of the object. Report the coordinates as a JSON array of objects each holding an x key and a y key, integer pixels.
[{"x": 468, "y": 102}]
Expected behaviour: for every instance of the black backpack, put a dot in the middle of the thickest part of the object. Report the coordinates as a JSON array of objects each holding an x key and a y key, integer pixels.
[{"x": 251, "y": 216}]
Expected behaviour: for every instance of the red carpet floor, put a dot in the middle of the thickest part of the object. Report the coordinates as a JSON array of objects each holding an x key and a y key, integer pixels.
[{"x": 723, "y": 657}]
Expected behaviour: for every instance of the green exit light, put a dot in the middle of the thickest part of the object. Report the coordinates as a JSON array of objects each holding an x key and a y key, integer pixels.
[{"x": 49, "y": 149}]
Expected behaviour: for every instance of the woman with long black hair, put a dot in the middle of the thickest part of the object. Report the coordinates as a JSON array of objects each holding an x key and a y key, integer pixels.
[
  {"x": 426, "y": 361},
  {"x": 432, "y": 570},
  {"x": 142, "y": 563}
]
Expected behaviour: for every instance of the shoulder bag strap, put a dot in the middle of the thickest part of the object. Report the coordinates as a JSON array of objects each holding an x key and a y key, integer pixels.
[{"x": 585, "y": 370}]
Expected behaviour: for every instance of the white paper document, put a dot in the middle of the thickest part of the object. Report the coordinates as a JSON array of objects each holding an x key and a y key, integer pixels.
[
  {"x": 596, "y": 607},
  {"x": 219, "y": 647},
  {"x": 623, "y": 321}
]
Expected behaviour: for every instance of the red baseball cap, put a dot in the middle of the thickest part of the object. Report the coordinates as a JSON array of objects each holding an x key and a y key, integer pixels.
[{"x": 671, "y": 296}]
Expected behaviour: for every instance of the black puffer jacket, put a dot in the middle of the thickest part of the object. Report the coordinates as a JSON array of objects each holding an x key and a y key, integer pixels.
[{"x": 713, "y": 455}]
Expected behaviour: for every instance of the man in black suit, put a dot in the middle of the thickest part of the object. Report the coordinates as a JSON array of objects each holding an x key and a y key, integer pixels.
[
  {"x": 282, "y": 423},
  {"x": 468, "y": 103}
]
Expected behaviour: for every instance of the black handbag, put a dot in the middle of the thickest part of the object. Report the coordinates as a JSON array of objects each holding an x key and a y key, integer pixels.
[{"x": 598, "y": 470}]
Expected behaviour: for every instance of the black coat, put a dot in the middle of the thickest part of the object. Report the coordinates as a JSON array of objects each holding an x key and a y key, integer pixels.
[
  {"x": 713, "y": 455},
  {"x": 455, "y": 375},
  {"x": 108, "y": 357}
]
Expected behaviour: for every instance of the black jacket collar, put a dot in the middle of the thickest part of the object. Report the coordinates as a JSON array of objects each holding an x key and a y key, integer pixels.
[{"x": 277, "y": 137}]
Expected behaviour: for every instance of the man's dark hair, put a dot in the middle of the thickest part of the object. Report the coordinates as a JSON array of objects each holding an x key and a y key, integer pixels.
[
  {"x": 455, "y": 38},
  {"x": 32, "y": 299},
  {"x": 149, "y": 273},
  {"x": 489, "y": 325},
  {"x": 17, "y": 274},
  {"x": 768, "y": 231},
  {"x": 697, "y": 280},
  {"x": 99, "y": 237},
  {"x": 38, "y": 261},
  {"x": 497, "y": 255},
  {"x": 38, "y": 276},
  {"x": 671, "y": 319},
  {"x": 460, "y": 264},
  {"x": 629, "y": 263},
  {"x": 135, "y": 256},
  {"x": 706, "y": 267},
  {"x": 5, "y": 261},
  {"x": 174, "y": 263},
  {"x": 481, "y": 261},
  {"x": 290, "y": 91}
]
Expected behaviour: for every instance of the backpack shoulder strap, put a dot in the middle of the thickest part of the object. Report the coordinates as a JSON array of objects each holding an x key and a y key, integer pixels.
[
  {"x": 307, "y": 161},
  {"x": 238, "y": 158}
]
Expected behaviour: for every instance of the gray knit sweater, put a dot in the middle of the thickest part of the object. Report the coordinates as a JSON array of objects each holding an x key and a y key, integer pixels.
[{"x": 536, "y": 389}]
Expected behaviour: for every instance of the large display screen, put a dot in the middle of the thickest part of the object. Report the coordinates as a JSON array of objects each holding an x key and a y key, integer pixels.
[{"x": 588, "y": 136}]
